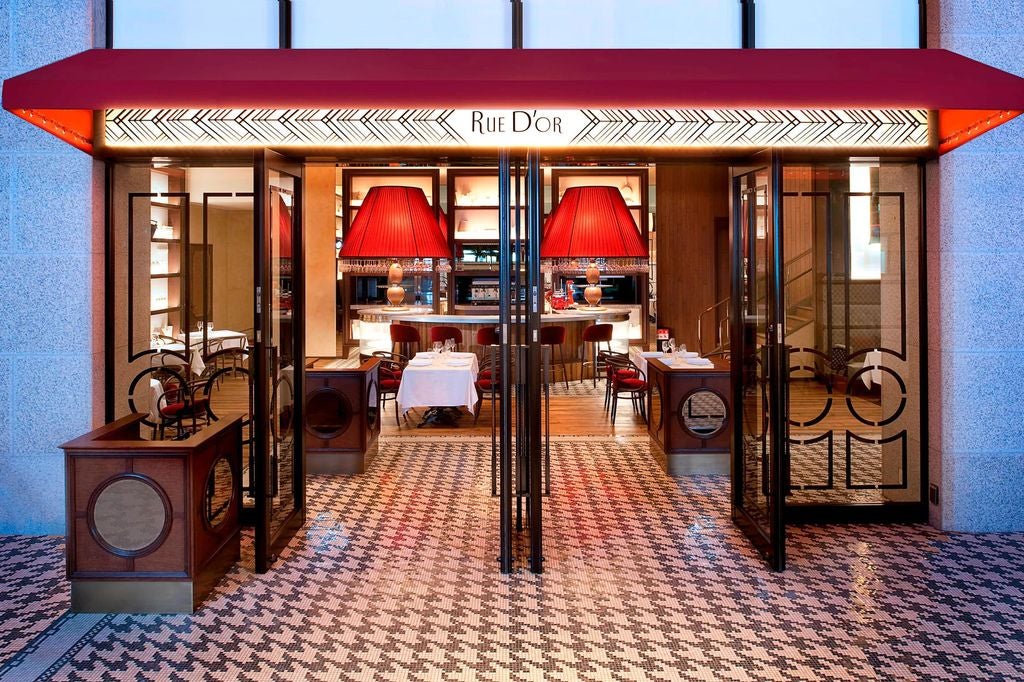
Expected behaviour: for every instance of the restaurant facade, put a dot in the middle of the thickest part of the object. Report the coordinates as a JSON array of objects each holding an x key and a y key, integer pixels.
[{"x": 826, "y": 203}]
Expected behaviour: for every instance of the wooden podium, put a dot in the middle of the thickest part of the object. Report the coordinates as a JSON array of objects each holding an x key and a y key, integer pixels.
[
  {"x": 342, "y": 416},
  {"x": 690, "y": 417}
]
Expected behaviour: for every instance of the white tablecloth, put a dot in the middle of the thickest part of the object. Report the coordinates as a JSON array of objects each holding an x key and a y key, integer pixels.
[
  {"x": 439, "y": 384},
  {"x": 872, "y": 376},
  {"x": 227, "y": 338},
  {"x": 640, "y": 358},
  {"x": 196, "y": 363}
]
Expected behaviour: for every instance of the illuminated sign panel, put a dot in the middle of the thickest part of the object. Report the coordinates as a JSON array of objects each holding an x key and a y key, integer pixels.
[{"x": 496, "y": 128}]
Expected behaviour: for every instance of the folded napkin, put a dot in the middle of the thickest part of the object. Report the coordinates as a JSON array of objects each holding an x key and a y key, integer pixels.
[
  {"x": 420, "y": 362},
  {"x": 699, "y": 362},
  {"x": 651, "y": 354},
  {"x": 429, "y": 355},
  {"x": 460, "y": 362},
  {"x": 689, "y": 354}
]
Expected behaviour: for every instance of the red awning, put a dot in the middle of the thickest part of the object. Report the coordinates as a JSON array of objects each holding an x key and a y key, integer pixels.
[{"x": 970, "y": 97}]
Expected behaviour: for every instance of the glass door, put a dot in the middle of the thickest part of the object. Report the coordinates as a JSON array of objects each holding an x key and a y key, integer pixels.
[
  {"x": 759, "y": 454},
  {"x": 278, "y": 358}
]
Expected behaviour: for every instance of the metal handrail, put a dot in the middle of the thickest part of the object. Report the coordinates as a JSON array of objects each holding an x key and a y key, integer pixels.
[{"x": 718, "y": 327}]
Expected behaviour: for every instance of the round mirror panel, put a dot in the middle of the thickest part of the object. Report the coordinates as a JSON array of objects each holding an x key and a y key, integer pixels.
[
  {"x": 220, "y": 490},
  {"x": 328, "y": 413},
  {"x": 703, "y": 413},
  {"x": 129, "y": 515}
]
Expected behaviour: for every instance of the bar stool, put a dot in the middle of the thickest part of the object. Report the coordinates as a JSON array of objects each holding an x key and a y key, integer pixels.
[
  {"x": 442, "y": 333},
  {"x": 555, "y": 336},
  {"x": 403, "y": 336},
  {"x": 595, "y": 335}
]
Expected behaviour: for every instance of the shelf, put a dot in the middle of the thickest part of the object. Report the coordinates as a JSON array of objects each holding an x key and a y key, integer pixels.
[
  {"x": 160, "y": 311},
  {"x": 161, "y": 240},
  {"x": 164, "y": 204},
  {"x": 164, "y": 275}
]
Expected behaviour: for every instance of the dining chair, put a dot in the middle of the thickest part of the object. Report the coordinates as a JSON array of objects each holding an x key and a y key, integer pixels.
[
  {"x": 627, "y": 381},
  {"x": 390, "y": 378},
  {"x": 180, "y": 402},
  {"x": 488, "y": 385},
  {"x": 442, "y": 333},
  {"x": 609, "y": 371}
]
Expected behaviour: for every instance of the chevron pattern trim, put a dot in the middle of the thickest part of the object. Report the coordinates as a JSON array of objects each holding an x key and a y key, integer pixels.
[{"x": 666, "y": 128}]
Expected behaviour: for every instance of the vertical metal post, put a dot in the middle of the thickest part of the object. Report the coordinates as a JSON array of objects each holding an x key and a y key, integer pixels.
[
  {"x": 748, "y": 39},
  {"x": 517, "y": 24},
  {"x": 284, "y": 23},
  {"x": 534, "y": 304},
  {"x": 505, "y": 374},
  {"x": 108, "y": 290}
]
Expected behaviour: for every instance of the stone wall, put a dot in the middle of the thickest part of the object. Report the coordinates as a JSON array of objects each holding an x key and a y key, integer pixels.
[
  {"x": 51, "y": 277},
  {"x": 976, "y": 288}
]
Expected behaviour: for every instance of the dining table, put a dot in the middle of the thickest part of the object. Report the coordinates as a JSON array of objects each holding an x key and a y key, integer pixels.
[{"x": 440, "y": 382}]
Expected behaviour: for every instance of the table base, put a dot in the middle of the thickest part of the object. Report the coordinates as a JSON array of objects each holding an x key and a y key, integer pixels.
[{"x": 440, "y": 416}]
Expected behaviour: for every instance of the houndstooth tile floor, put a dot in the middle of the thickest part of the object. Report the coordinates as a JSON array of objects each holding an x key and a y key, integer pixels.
[{"x": 396, "y": 578}]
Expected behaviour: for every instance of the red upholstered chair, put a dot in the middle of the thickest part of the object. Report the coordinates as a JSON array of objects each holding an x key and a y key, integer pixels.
[
  {"x": 553, "y": 336},
  {"x": 179, "y": 403},
  {"x": 595, "y": 335},
  {"x": 442, "y": 333},
  {"x": 486, "y": 337},
  {"x": 390, "y": 378},
  {"x": 611, "y": 372},
  {"x": 488, "y": 386},
  {"x": 403, "y": 337},
  {"x": 628, "y": 381}
]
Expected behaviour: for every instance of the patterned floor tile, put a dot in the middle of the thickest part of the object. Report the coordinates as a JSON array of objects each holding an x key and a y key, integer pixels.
[{"x": 395, "y": 578}]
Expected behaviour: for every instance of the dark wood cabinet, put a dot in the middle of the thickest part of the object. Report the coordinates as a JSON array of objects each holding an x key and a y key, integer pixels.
[
  {"x": 690, "y": 425},
  {"x": 342, "y": 416},
  {"x": 152, "y": 525}
]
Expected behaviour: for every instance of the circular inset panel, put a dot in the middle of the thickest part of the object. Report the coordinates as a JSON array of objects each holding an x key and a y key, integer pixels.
[
  {"x": 372, "y": 405},
  {"x": 129, "y": 515},
  {"x": 328, "y": 413},
  {"x": 702, "y": 413},
  {"x": 884, "y": 371},
  {"x": 220, "y": 491}
]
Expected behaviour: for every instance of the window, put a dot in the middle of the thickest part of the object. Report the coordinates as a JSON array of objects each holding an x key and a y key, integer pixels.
[
  {"x": 837, "y": 23},
  {"x": 195, "y": 24},
  {"x": 402, "y": 24},
  {"x": 631, "y": 24}
]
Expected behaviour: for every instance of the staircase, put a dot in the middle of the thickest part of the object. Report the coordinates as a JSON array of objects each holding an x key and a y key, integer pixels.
[{"x": 713, "y": 322}]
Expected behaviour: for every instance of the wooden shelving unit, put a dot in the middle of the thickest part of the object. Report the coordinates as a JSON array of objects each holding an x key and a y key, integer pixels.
[{"x": 166, "y": 249}]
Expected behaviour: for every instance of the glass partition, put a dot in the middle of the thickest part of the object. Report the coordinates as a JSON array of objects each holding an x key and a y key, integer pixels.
[
  {"x": 195, "y": 24},
  {"x": 183, "y": 296},
  {"x": 402, "y": 24},
  {"x": 852, "y": 328},
  {"x": 837, "y": 23},
  {"x": 631, "y": 24}
]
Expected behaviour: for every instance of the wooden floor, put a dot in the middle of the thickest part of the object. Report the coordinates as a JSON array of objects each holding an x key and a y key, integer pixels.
[{"x": 580, "y": 413}]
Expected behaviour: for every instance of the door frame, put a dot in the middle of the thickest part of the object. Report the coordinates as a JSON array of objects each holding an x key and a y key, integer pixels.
[
  {"x": 267, "y": 543},
  {"x": 770, "y": 541}
]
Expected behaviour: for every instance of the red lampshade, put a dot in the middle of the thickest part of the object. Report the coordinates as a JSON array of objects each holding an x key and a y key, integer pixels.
[
  {"x": 395, "y": 222},
  {"x": 592, "y": 222},
  {"x": 284, "y": 227}
]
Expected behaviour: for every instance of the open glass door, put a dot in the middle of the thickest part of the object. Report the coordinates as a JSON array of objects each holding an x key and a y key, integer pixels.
[
  {"x": 759, "y": 455},
  {"x": 278, "y": 357}
]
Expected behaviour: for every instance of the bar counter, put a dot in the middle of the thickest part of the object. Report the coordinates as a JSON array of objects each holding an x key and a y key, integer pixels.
[{"x": 375, "y": 335}]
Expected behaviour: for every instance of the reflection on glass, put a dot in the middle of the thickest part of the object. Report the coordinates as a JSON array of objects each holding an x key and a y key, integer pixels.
[{"x": 220, "y": 490}]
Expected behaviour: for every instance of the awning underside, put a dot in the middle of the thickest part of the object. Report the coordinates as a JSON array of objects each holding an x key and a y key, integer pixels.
[{"x": 804, "y": 98}]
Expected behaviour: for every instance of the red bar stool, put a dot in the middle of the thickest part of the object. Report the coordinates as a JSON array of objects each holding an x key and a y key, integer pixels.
[
  {"x": 403, "y": 336},
  {"x": 555, "y": 336},
  {"x": 595, "y": 335},
  {"x": 442, "y": 333}
]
